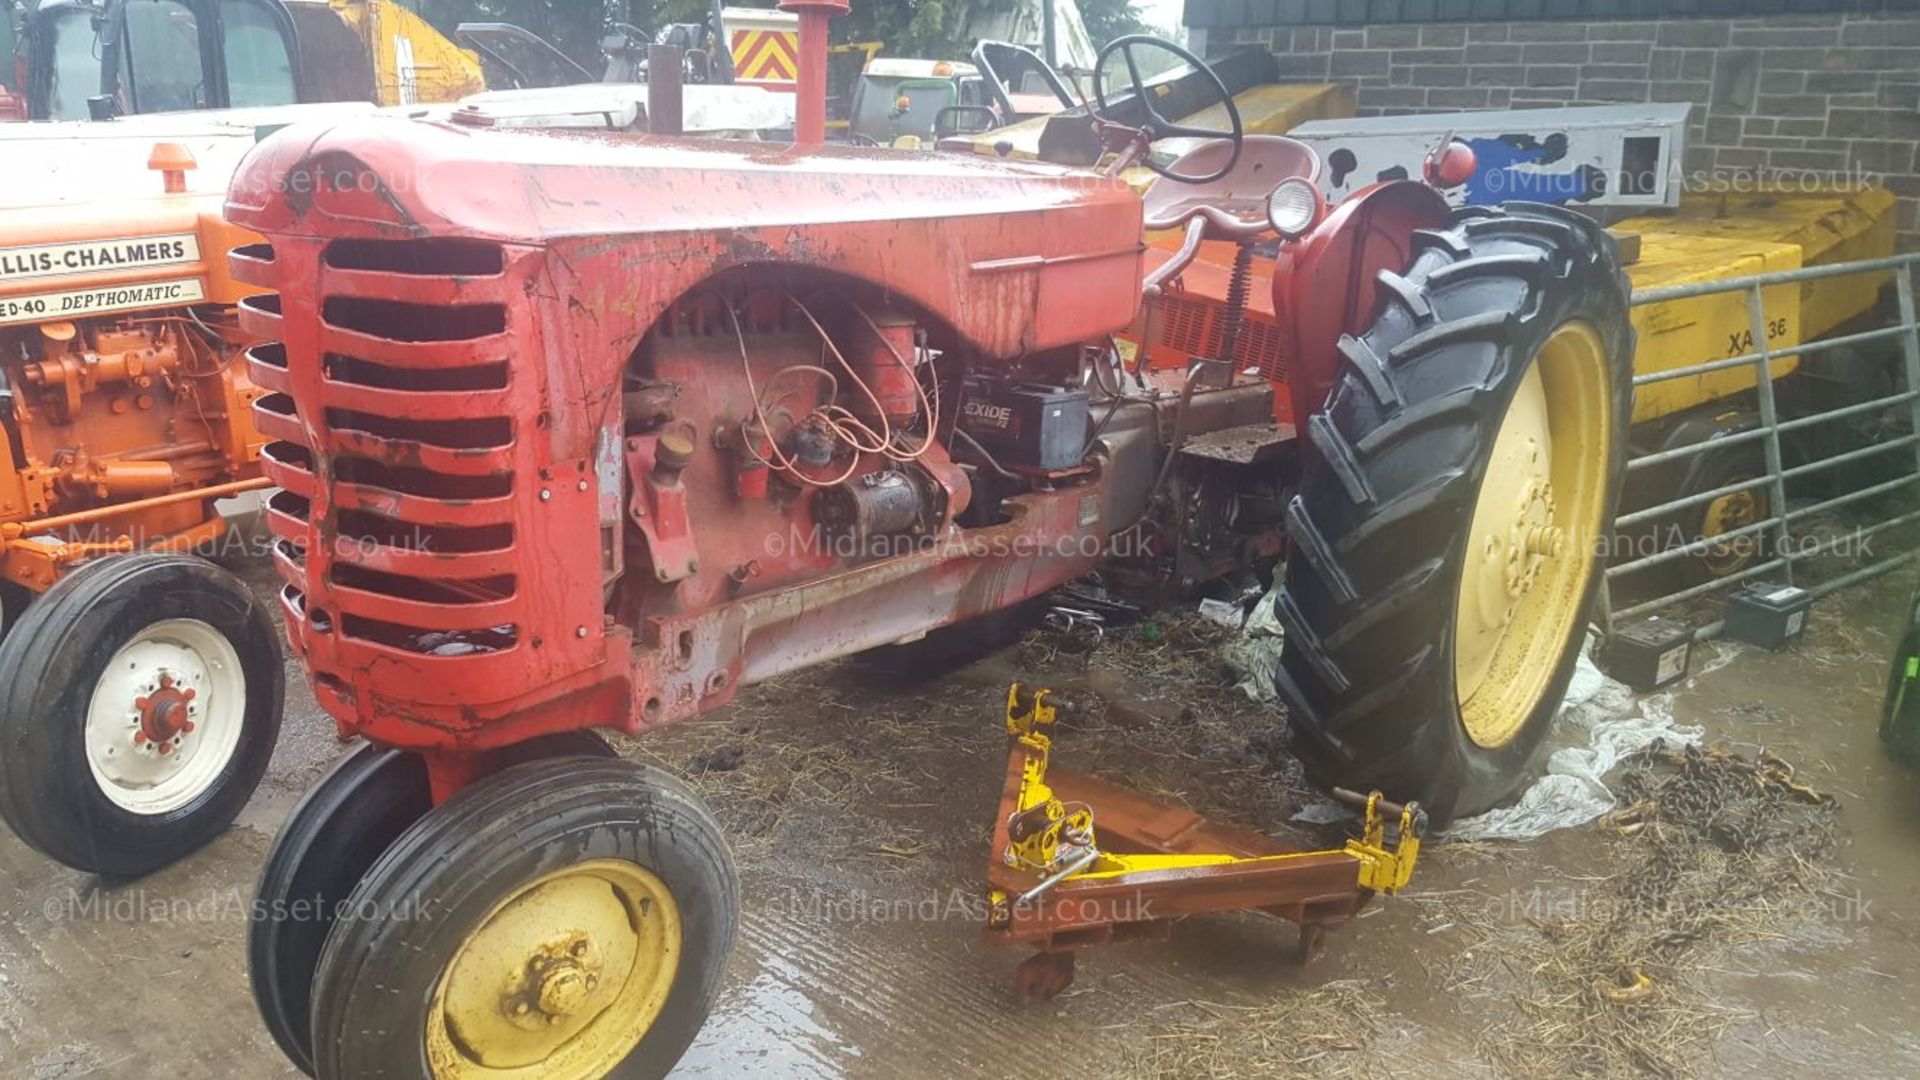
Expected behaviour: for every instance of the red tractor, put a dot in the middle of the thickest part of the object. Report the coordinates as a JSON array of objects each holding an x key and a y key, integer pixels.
[{"x": 591, "y": 431}]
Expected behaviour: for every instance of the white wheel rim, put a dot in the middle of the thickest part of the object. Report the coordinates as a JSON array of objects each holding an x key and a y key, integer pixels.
[{"x": 166, "y": 716}]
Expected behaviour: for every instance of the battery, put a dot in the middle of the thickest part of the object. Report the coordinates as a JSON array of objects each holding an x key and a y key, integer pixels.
[
  {"x": 1768, "y": 615},
  {"x": 1026, "y": 425},
  {"x": 1649, "y": 653}
]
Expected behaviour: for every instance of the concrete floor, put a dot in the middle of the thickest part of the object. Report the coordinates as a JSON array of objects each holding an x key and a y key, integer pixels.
[{"x": 149, "y": 978}]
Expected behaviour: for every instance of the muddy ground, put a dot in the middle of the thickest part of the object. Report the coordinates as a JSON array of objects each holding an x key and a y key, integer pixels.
[{"x": 1773, "y": 933}]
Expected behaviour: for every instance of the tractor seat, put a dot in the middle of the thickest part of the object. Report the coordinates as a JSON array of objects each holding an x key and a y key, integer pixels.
[{"x": 1241, "y": 195}]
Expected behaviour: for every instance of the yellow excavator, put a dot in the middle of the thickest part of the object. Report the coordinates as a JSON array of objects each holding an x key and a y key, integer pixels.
[{"x": 99, "y": 59}]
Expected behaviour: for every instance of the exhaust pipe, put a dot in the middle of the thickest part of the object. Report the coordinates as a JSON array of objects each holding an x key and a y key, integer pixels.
[
  {"x": 666, "y": 101},
  {"x": 810, "y": 110}
]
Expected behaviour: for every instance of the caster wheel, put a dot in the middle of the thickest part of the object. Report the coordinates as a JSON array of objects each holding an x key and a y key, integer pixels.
[
  {"x": 567, "y": 919},
  {"x": 340, "y": 827},
  {"x": 140, "y": 700}
]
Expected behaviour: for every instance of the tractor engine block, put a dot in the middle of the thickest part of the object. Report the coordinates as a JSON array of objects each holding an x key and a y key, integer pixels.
[
  {"x": 108, "y": 410},
  {"x": 780, "y": 439}
]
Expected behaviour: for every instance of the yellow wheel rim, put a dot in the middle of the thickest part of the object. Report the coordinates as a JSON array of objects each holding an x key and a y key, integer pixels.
[
  {"x": 561, "y": 980},
  {"x": 1724, "y": 515},
  {"x": 1536, "y": 526}
]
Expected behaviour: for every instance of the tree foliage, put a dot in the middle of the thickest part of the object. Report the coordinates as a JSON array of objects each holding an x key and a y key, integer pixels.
[{"x": 925, "y": 28}]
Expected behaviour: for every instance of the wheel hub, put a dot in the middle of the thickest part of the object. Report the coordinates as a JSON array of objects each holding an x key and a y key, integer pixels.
[
  {"x": 558, "y": 983},
  {"x": 1519, "y": 542},
  {"x": 570, "y": 970},
  {"x": 1530, "y": 542},
  {"x": 164, "y": 716}
]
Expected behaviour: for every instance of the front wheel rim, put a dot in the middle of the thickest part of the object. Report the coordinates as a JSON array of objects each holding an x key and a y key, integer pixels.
[
  {"x": 561, "y": 980},
  {"x": 166, "y": 717},
  {"x": 1533, "y": 544}
]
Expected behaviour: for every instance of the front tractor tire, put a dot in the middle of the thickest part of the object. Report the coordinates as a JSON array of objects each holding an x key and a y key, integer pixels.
[
  {"x": 1455, "y": 496},
  {"x": 567, "y": 919},
  {"x": 140, "y": 701}
]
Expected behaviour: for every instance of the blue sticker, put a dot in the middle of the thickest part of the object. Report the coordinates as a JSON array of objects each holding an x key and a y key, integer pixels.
[{"x": 1508, "y": 169}]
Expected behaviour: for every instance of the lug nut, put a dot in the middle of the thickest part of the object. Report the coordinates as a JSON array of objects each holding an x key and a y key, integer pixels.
[{"x": 1548, "y": 540}]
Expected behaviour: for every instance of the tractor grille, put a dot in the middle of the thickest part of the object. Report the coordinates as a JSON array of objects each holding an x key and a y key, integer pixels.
[
  {"x": 1193, "y": 328},
  {"x": 399, "y": 440}
]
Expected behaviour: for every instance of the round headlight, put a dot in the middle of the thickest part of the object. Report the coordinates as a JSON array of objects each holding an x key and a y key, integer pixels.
[{"x": 1294, "y": 207}]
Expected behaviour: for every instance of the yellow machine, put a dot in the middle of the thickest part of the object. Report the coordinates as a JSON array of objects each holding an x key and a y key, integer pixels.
[
  {"x": 411, "y": 62},
  {"x": 1712, "y": 237},
  {"x": 1715, "y": 237},
  {"x": 1682, "y": 333}
]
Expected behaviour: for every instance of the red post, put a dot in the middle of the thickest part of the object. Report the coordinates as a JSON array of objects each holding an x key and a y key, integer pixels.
[{"x": 810, "y": 105}]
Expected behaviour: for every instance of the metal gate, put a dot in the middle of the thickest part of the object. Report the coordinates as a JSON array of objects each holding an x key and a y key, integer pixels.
[{"x": 1789, "y": 545}]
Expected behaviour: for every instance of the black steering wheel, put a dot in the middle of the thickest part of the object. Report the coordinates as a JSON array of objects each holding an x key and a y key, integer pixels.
[{"x": 1149, "y": 121}]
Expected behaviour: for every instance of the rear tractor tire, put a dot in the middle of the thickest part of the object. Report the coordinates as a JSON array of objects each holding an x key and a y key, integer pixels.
[
  {"x": 1455, "y": 496},
  {"x": 140, "y": 701}
]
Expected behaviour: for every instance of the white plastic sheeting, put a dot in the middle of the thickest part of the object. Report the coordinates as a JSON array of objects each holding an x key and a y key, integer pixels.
[
  {"x": 1574, "y": 791},
  {"x": 1601, "y": 717},
  {"x": 1255, "y": 655}
]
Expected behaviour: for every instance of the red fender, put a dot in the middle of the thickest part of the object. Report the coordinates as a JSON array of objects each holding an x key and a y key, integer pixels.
[{"x": 1326, "y": 285}]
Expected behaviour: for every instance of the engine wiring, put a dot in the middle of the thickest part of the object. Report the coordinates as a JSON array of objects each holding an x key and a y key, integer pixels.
[
  {"x": 779, "y": 462},
  {"x": 836, "y": 419},
  {"x": 849, "y": 426}
]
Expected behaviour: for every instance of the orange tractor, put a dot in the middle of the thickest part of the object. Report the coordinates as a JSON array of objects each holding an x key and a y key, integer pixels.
[
  {"x": 577, "y": 434},
  {"x": 140, "y": 688}
]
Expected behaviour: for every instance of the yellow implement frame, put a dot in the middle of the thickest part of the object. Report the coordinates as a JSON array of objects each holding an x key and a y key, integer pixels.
[{"x": 1056, "y": 883}]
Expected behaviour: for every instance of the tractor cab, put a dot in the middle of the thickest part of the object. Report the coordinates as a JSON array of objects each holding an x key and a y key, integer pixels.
[
  {"x": 519, "y": 59},
  {"x": 1005, "y": 84},
  {"x": 1021, "y": 82},
  {"x": 85, "y": 60},
  {"x": 101, "y": 59}
]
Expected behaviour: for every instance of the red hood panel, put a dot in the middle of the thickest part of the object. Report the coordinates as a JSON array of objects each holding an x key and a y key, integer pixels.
[{"x": 1015, "y": 256}]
